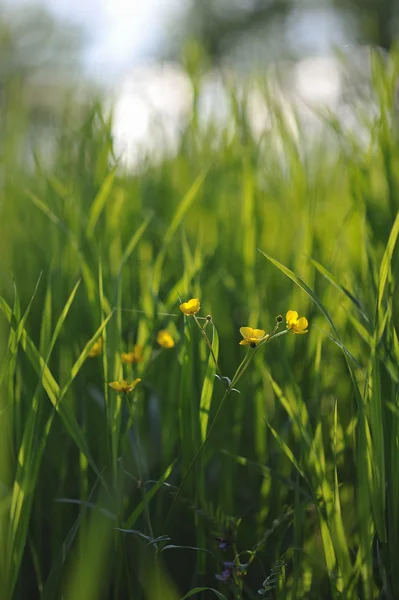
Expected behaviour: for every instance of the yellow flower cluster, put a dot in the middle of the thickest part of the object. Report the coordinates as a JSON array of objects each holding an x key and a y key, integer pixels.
[
  {"x": 164, "y": 339},
  {"x": 253, "y": 337}
]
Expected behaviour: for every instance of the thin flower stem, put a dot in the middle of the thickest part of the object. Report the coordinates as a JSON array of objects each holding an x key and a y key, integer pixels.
[
  {"x": 133, "y": 412},
  {"x": 200, "y": 449},
  {"x": 204, "y": 335},
  {"x": 237, "y": 376}
]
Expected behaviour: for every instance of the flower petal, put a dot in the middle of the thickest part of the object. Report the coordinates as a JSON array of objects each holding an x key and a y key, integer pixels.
[
  {"x": 246, "y": 332},
  {"x": 191, "y": 307},
  {"x": 258, "y": 333},
  {"x": 291, "y": 317},
  {"x": 115, "y": 385},
  {"x": 302, "y": 324}
]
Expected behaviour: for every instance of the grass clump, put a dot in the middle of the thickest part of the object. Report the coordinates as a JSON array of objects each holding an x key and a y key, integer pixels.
[{"x": 143, "y": 452}]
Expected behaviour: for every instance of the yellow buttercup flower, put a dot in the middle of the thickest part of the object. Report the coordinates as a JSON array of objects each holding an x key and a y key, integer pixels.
[
  {"x": 164, "y": 339},
  {"x": 123, "y": 386},
  {"x": 135, "y": 356},
  {"x": 97, "y": 348},
  {"x": 252, "y": 336},
  {"x": 191, "y": 307},
  {"x": 295, "y": 324}
]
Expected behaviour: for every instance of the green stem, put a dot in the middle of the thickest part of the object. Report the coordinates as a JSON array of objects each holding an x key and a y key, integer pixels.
[
  {"x": 208, "y": 343},
  {"x": 237, "y": 376},
  {"x": 140, "y": 470}
]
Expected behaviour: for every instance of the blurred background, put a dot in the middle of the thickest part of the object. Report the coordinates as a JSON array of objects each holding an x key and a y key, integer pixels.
[{"x": 140, "y": 55}]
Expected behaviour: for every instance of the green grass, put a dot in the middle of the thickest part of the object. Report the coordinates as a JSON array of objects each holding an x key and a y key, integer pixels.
[{"x": 112, "y": 496}]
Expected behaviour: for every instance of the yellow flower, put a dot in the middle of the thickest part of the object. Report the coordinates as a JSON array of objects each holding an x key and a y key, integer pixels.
[
  {"x": 123, "y": 386},
  {"x": 295, "y": 324},
  {"x": 97, "y": 348},
  {"x": 134, "y": 356},
  {"x": 191, "y": 307},
  {"x": 252, "y": 336},
  {"x": 164, "y": 339}
]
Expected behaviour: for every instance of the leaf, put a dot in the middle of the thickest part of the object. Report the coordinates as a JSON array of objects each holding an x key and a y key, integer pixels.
[
  {"x": 208, "y": 385},
  {"x": 135, "y": 240},
  {"x": 84, "y": 354},
  {"x": 173, "y": 546},
  {"x": 301, "y": 284},
  {"x": 331, "y": 278},
  {"x": 151, "y": 541},
  {"x": 51, "y": 386},
  {"x": 100, "y": 201},
  {"x": 149, "y": 495},
  {"x": 386, "y": 260},
  {"x": 50, "y": 587},
  {"x": 197, "y": 590},
  {"x": 183, "y": 207}
]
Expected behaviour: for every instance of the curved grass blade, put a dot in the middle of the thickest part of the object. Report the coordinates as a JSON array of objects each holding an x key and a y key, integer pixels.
[
  {"x": 99, "y": 202},
  {"x": 136, "y": 237},
  {"x": 386, "y": 261},
  {"x": 197, "y": 590},
  {"x": 149, "y": 495},
  {"x": 208, "y": 385},
  {"x": 53, "y": 579},
  {"x": 301, "y": 284},
  {"x": 83, "y": 355},
  {"x": 332, "y": 279},
  {"x": 174, "y": 547},
  {"x": 183, "y": 207},
  {"x": 51, "y": 386}
]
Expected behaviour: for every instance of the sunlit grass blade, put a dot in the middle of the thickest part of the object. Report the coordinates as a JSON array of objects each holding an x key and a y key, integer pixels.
[
  {"x": 83, "y": 355},
  {"x": 208, "y": 384},
  {"x": 301, "y": 284},
  {"x": 99, "y": 202},
  {"x": 181, "y": 210},
  {"x": 134, "y": 240},
  {"x": 17, "y": 331},
  {"x": 333, "y": 280},
  {"x": 377, "y": 449},
  {"x": 51, "y": 386},
  {"x": 29, "y": 459}
]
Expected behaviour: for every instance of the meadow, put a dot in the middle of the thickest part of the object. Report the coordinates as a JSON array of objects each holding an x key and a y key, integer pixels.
[{"x": 268, "y": 470}]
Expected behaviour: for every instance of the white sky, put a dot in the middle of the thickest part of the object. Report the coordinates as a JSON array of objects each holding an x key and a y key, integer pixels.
[{"x": 121, "y": 32}]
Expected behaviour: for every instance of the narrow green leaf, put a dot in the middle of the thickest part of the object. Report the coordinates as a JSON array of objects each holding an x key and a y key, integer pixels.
[
  {"x": 386, "y": 261},
  {"x": 84, "y": 354},
  {"x": 197, "y": 590},
  {"x": 332, "y": 279},
  {"x": 208, "y": 385},
  {"x": 183, "y": 207},
  {"x": 149, "y": 495},
  {"x": 54, "y": 577},
  {"x": 136, "y": 237},
  {"x": 100, "y": 201}
]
